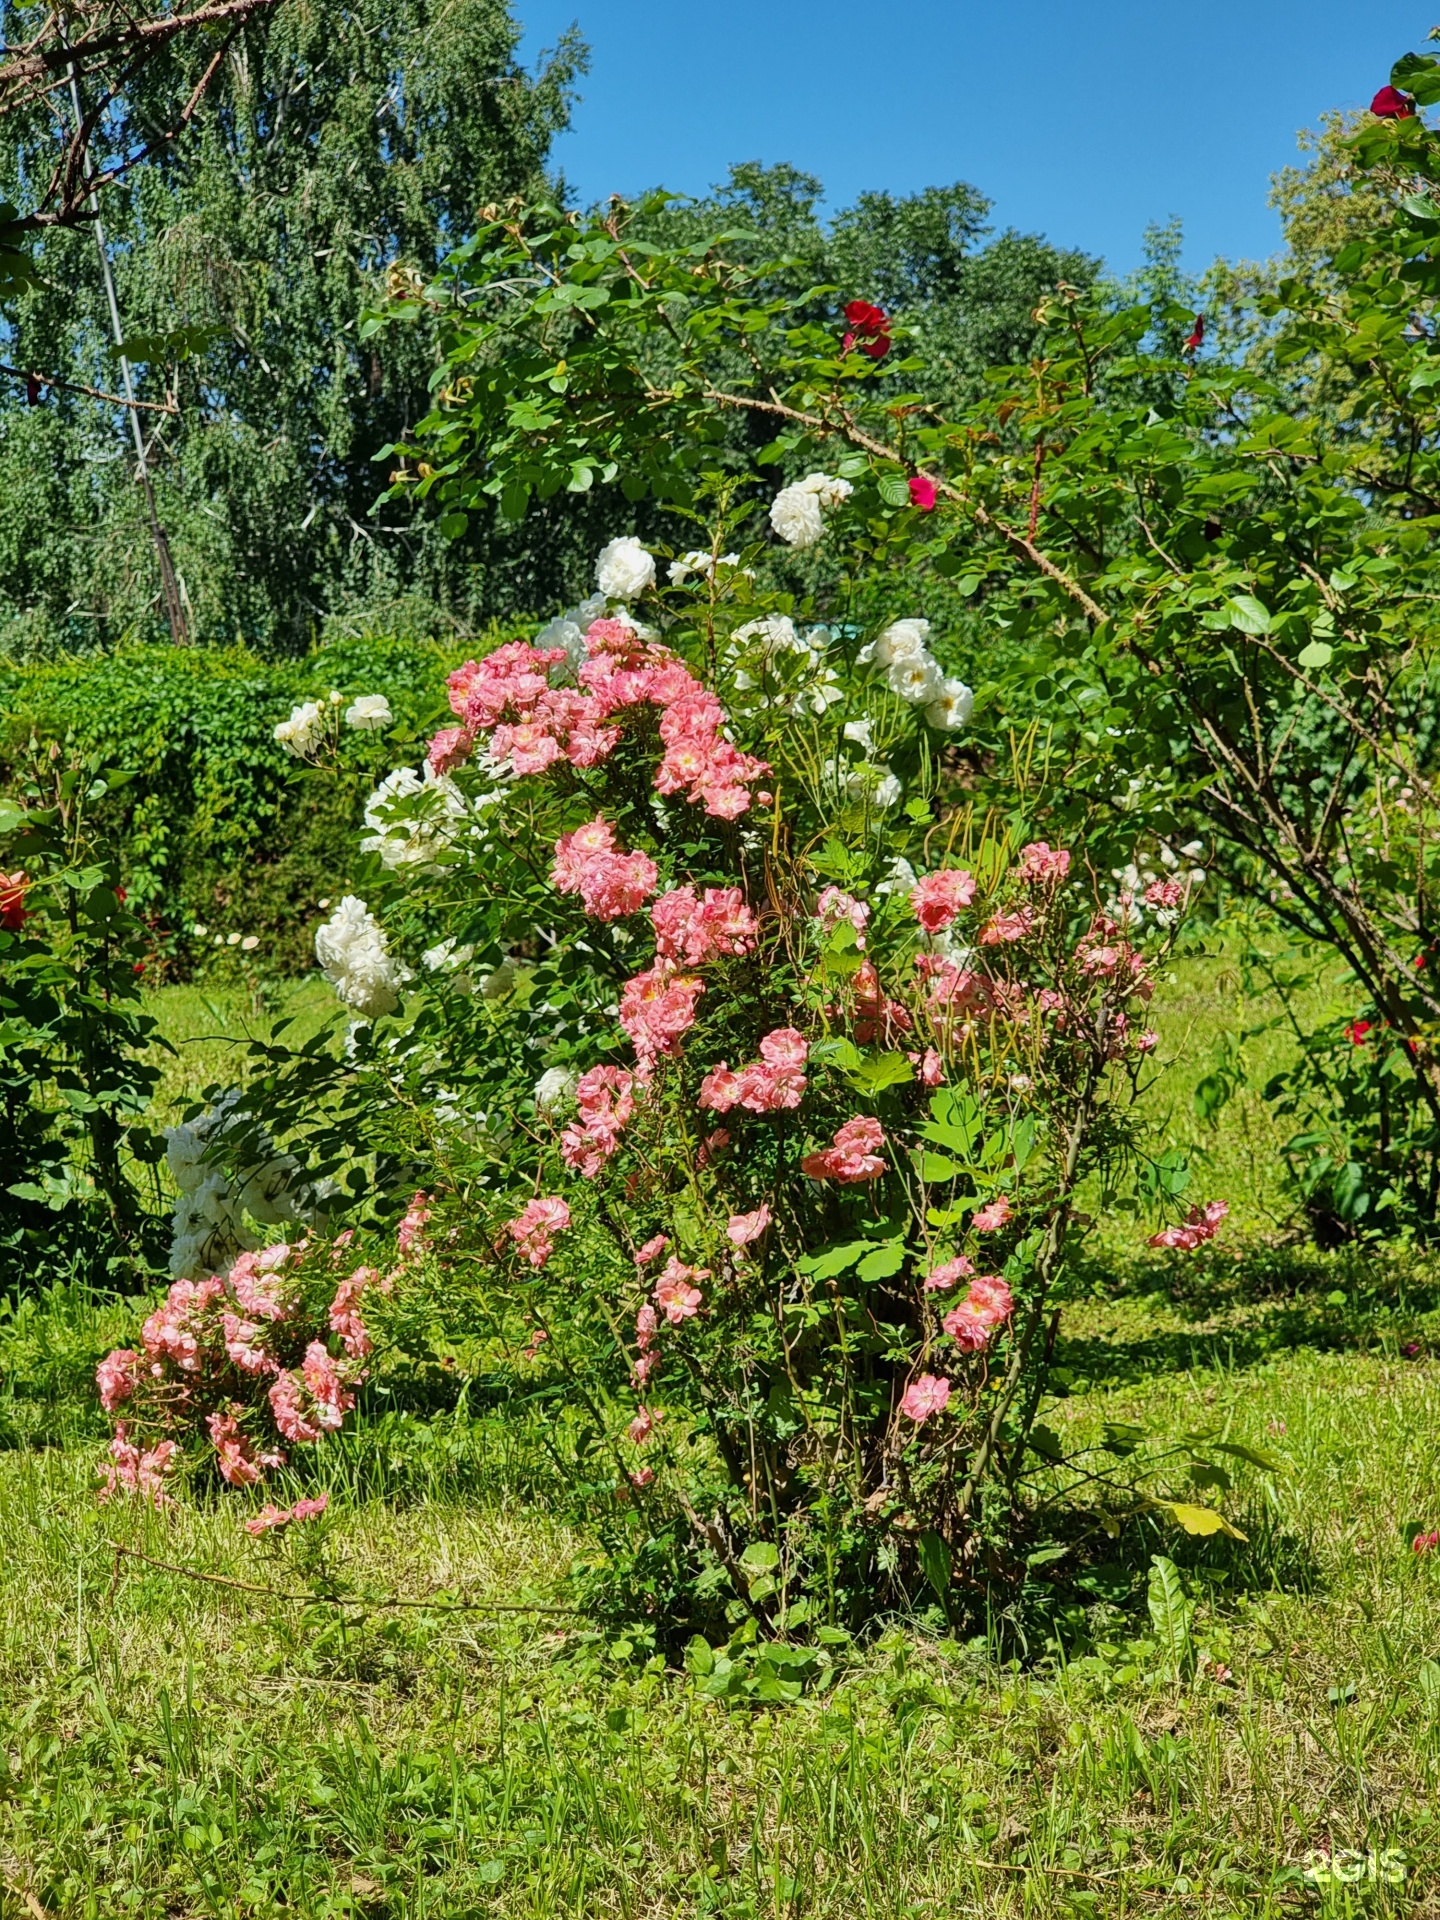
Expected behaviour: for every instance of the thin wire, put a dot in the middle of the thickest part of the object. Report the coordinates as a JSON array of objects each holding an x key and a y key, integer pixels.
[{"x": 331, "y": 1599}]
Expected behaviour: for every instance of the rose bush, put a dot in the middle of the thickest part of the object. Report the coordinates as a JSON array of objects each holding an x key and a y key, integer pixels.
[
  {"x": 236, "y": 1371},
  {"x": 763, "y": 1076}
]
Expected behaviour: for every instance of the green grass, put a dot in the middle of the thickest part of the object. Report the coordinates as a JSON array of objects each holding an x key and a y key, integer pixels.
[
  {"x": 180, "y": 1748},
  {"x": 210, "y": 1023}
]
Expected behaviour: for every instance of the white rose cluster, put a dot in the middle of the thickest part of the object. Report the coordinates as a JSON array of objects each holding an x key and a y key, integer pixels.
[
  {"x": 369, "y": 713},
  {"x": 795, "y": 512},
  {"x": 625, "y": 569},
  {"x": 302, "y": 734},
  {"x": 702, "y": 561},
  {"x": 783, "y": 668},
  {"x": 209, "y": 1224},
  {"x": 355, "y": 959},
  {"x": 412, "y": 815},
  {"x": 913, "y": 672},
  {"x": 555, "y": 1089},
  {"x": 1129, "y": 905}
]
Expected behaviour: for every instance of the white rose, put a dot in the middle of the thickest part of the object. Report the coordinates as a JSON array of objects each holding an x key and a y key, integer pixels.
[
  {"x": 699, "y": 560},
  {"x": 302, "y": 733},
  {"x": 777, "y": 633},
  {"x": 624, "y": 569},
  {"x": 899, "y": 878},
  {"x": 819, "y": 695},
  {"x": 555, "y": 1088},
  {"x": 795, "y": 516},
  {"x": 185, "y": 1156},
  {"x": 410, "y": 837},
  {"x": 828, "y": 490},
  {"x": 494, "y": 986},
  {"x": 915, "y": 680},
  {"x": 952, "y": 707},
  {"x": 353, "y": 955},
  {"x": 902, "y": 640},
  {"x": 888, "y": 791},
  {"x": 370, "y": 713},
  {"x": 859, "y": 732}
]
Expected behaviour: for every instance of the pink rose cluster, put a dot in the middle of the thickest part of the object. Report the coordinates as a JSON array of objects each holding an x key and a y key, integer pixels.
[
  {"x": 657, "y": 1006},
  {"x": 531, "y": 725},
  {"x": 833, "y": 906},
  {"x": 270, "y": 1517},
  {"x": 131, "y": 1469},
  {"x": 1202, "y": 1223},
  {"x": 988, "y": 1304},
  {"x": 694, "y": 930},
  {"x": 534, "y": 1229},
  {"x": 1043, "y": 865},
  {"x": 1105, "y": 953},
  {"x": 853, "y": 1156},
  {"x": 606, "y": 1100},
  {"x": 676, "y": 1295},
  {"x": 937, "y": 899},
  {"x": 657, "y": 1009},
  {"x": 611, "y": 884},
  {"x": 775, "y": 1081},
  {"x": 209, "y": 1345}
]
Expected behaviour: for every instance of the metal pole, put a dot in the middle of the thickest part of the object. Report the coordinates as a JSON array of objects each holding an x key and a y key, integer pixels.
[{"x": 169, "y": 585}]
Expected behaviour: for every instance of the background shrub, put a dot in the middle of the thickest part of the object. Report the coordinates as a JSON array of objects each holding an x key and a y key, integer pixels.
[{"x": 214, "y": 827}]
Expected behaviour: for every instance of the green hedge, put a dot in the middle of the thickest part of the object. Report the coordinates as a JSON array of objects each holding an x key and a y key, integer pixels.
[{"x": 218, "y": 824}]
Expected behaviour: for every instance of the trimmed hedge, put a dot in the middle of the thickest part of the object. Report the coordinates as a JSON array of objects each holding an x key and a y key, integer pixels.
[{"x": 218, "y": 824}]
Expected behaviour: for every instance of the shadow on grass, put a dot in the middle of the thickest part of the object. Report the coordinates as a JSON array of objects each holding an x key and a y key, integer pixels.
[{"x": 1241, "y": 1313}]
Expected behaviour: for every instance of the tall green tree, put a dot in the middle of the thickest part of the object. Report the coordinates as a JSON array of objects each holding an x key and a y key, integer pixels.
[{"x": 339, "y": 140}]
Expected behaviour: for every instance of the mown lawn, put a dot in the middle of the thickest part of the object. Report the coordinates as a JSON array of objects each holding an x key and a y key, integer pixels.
[{"x": 179, "y": 1747}]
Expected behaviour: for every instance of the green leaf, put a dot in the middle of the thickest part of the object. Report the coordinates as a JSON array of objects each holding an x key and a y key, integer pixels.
[
  {"x": 1046, "y": 1442},
  {"x": 452, "y": 525},
  {"x": 1201, "y": 1521},
  {"x": 936, "y": 1563},
  {"x": 1171, "y": 1612},
  {"x": 1248, "y": 615},
  {"x": 1235, "y": 1448},
  {"x": 699, "y": 1656},
  {"x": 894, "y": 489},
  {"x": 1205, "y": 1473},
  {"x": 1429, "y": 1678},
  {"x": 883, "y": 1262},
  {"x": 832, "y": 1260},
  {"x": 1046, "y": 1556},
  {"x": 881, "y": 1070},
  {"x": 935, "y": 1168},
  {"x": 1317, "y": 654},
  {"x": 761, "y": 1556}
]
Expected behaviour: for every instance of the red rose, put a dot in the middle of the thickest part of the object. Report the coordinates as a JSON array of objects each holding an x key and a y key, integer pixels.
[
  {"x": 922, "y": 492},
  {"x": 1390, "y": 104},
  {"x": 1356, "y": 1031},
  {"x": 1196, "y": 334},
  {"x": 13, "y": 888},
  {"x": 868, "y": 328}
]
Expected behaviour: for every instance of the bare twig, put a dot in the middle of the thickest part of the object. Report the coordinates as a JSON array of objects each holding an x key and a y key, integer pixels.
[{"x": 92, "y": 393}]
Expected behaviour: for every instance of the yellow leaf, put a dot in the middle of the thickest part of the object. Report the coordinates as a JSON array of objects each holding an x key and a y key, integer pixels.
[{"x": 1201, "y": 1519}]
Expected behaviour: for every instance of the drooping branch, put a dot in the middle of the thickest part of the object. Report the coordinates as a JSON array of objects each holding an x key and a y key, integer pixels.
[{"x": 107, "y": 44}]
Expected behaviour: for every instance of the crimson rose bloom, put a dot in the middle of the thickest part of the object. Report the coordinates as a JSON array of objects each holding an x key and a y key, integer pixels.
[
  {"x": 13, "y": 888},
  {"x": 867, "y": 328},
  {"x": 1390, "y": 104},
  {"x": 922, "y": 493}
]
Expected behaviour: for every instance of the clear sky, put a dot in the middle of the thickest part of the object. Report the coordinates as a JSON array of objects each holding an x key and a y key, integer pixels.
[{"x": 1083, "y": 121}]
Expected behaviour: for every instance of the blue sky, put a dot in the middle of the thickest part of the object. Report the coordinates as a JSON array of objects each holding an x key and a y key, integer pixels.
[{"x": 1083, "y": 121}]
